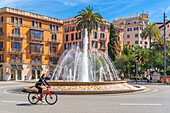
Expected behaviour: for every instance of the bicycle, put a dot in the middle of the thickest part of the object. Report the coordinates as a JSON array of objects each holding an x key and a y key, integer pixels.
[{"x": 50, "y": 97}]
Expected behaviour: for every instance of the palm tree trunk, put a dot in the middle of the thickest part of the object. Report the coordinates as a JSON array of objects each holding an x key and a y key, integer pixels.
[
  {"x": 142, "y": 43},
  {"x": 150, "y": 42}
]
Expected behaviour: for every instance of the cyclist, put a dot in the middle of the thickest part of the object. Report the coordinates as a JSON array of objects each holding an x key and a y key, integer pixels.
[{"x": 39, "y": 83}]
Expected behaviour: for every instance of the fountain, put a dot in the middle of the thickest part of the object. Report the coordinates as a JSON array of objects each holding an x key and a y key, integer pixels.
[{"x": 85, "y": 72}]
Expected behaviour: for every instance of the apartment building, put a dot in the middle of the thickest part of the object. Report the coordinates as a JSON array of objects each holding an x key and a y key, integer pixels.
[
  {"x": 167, "y": 30},
  {"x": 30, "y": 44},
  {"x": 132, "y": 27},
  {"x": 98, "y": 40}
]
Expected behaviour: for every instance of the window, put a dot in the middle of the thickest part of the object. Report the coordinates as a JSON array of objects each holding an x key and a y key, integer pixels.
[
  {"x": 54, "y": 37},
  {"x": 36, "y": 48},
  {"x": 94, "y": 44},
  {"x": 66, "y": 30},
  {"x": 146, "y": 43},
  {"x": 136, "y": 35},
  {"x": 76, "y": 36},
  {"x": 94, "y": 35},
  {"x": 12, "y": 20},
  {"x": 136, "y": 42},
  {"x": 141, "y": 28},
  {"x": 128, "y": 36},
  {"x": 20, "y": 21},
  {"x": 16, "y": 20},
  {"x": 66, "y": 37},
  {"x": 140, "y": 42},
  {"x": 32, "y": 23},
  {"x": 127, "y": 29},
  {"x": 35, "y": 34},
  {"x": 79, "y": 35},
  {"x": 102, "y": 44},
  {"x": 72, "y": 28},
  {"x": 130, "y": 29},
  {"x": 1, "y": 46},
  {"x": 56, "y": 28},
  {"x": 53, "y": 27},
  {"x": 101, "y": 28},
  {"x": 50, "y": 27},
  {"x": 169, "y": 35},
  {"x": 72, "y": 36},
  {"x": 128, "y": 23},
  {"x": 136, "y": 28},
  {"x": 134, "y": 22},
  {"x": 102, "y": 35},
  {"x": 2, "y": 19},
  {"x": 39, "y": 24},
  {"x": 36, "y": 24},
  {"x": 167, "y": 26},
  {"x": 117, "y": 31},
  {"x": 17, "y": 31}
]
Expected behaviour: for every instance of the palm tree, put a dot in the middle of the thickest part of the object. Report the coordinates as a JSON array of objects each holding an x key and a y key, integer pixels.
[
  {"x": 150, "y": 31},
  {"x": 87, "y": 19}
]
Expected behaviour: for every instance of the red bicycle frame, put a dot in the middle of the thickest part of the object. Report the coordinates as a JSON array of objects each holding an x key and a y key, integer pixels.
[{"x": 43, "y": 93}]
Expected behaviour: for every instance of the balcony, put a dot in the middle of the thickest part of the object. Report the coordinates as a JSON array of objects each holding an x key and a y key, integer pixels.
[
  {"x": 1, "y": 60},
  {"x": 36, "y": 39},
  {"x": 16, "y": 35},
  {"x": 103, "y": 48},
  {"x": 1, "y": 49},
  {"x": 37, "y": 52},
  {"x": 54, "y": 53},
  {"x": 2, "y": 34},
  {"x": 54, "y": 41},
  {"x": 15, "y": 50},
  {"x": 102, "y": 39},
  {"x": 36, "y": 62},
  {"x": 52, "y": 63},
  {"x": 16, "y": 61}
]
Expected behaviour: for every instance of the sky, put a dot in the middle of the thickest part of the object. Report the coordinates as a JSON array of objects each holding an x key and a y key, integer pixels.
[{"x": 109, "y": 9}]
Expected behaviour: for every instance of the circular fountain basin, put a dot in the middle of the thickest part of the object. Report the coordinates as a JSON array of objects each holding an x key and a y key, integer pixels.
[{"x": 80, "y": 88}]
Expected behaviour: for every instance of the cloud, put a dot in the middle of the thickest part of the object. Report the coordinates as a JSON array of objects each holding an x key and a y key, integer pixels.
[
  {"x": 167, "y": 10},
  {"x": 73, "y": 2}
]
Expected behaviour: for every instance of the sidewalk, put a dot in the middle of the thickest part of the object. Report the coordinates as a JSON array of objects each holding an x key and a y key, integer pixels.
[{"x": 143, "y": 83}]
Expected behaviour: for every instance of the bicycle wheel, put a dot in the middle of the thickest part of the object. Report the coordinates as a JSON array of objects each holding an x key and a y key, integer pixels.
[
  {"x": 51, "y": 100},
  {"x": 33, "y": 98}
]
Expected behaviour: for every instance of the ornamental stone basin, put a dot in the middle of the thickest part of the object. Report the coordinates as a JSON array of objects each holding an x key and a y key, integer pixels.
[{"x": 80, "y": 88}]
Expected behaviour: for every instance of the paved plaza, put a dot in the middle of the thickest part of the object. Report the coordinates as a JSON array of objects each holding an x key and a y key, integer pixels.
[{"x": 156, "y": 100}]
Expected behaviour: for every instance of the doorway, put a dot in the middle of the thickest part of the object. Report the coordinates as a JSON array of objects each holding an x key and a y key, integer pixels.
[{"x": 12, "y": 74}]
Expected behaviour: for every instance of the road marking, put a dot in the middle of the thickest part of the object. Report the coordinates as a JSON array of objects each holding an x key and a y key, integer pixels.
[
  {"x": 13, "y": 101},
  {"x": 132, "y": 104}
]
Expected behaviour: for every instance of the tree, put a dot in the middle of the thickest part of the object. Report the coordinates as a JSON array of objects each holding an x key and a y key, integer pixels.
[
  {"x": 113, "y": 45},
  {"x": 150, "y": 31},
  {"x": 87, "y": 19}
]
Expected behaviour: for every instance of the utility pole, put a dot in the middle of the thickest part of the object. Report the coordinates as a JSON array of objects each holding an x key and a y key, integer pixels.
[{"x": 164, "y": 51}]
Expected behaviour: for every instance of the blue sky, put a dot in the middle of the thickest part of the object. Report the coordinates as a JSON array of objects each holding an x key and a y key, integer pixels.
[{"x": 109, "y": 9}]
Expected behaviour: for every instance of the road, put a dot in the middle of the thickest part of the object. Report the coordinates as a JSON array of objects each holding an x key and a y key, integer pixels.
[{"x": 156, "y": 100}]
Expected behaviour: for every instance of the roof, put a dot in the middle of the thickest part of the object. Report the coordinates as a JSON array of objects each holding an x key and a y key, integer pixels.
[{"x": 165, "y": 24}]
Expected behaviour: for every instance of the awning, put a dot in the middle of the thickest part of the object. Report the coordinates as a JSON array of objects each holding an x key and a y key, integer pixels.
[
  {"x": 52, "y": 67},
  {"x": 34, "y": 68},
  {"x": 20, "y": 67},
  {"x": 1, "y": 66},
  {"x": 40, "y": 68},
  {"x": 13, "y": 67}
]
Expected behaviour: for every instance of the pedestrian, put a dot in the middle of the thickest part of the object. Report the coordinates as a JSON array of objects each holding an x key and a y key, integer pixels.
[
  {"x": 48, "y": 77},
  {"x": 141, "y": 78},
  {"x": 148, "y": 79},
  {"x": 122, "y": 76},
  {"x": 136, "y": 79}
]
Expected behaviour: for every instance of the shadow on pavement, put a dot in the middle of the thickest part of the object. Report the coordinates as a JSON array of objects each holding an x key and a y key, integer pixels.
[{"x": 28, "y": 104}]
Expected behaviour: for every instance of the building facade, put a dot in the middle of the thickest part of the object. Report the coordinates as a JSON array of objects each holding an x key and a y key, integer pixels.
[
  {"x": 98, "y": 40},
  {"x": 167, "y": 32},
  {"x": 30, "y": 44},
  {"x": 132, "y": 27}
]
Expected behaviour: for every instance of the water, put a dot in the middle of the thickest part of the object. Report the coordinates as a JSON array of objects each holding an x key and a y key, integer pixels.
[{"x": 85, "y": 66}]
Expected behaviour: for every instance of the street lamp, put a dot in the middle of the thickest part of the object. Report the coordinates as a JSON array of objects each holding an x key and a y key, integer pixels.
[{"x": 164, "y": 51}]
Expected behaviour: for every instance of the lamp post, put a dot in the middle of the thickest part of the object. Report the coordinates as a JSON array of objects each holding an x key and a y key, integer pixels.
[{"x": 164, "y": 51}]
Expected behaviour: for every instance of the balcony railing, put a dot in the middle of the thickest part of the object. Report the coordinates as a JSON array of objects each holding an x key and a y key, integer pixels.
[
  {"x": 39, "y": 39},
  {"x": 102, "y": 39},
  {"x": 103, "y": 48},
  {"x": 52, "y": 63},
  {"x": 36, "y": 62},
  {"x": 54, "y": 40},
  {"x": 37, "y": 52},
  {"x": 54, "y": 53},
  {"x": 16, "y": 61},
  {"x": 16, "y": 35},
  {"x": 1, "y": 34},
  {"x": 15, "y": 50}
]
